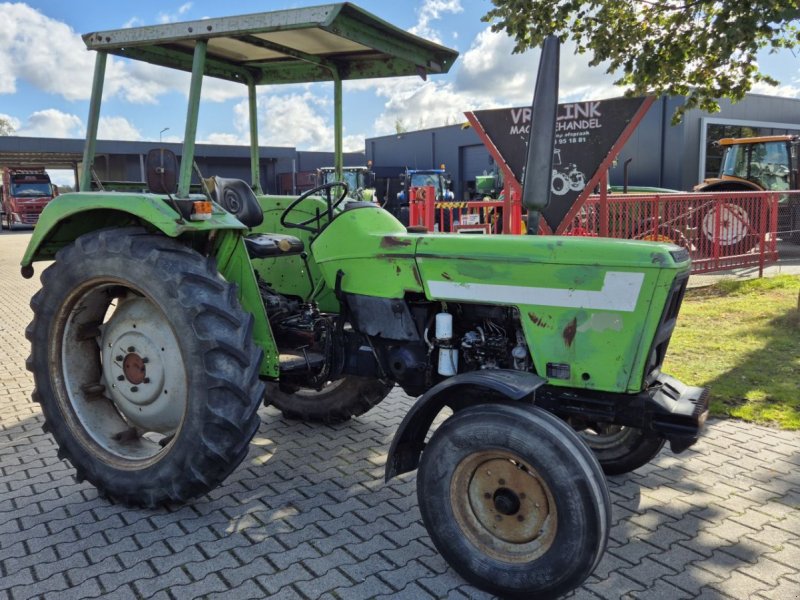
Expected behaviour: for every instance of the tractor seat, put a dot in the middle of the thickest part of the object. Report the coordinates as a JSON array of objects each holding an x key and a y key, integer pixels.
[{"x": 271, "y": 245}]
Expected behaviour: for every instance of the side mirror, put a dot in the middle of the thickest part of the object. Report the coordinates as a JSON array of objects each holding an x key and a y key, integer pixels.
[{"x": 162, "y": 171}]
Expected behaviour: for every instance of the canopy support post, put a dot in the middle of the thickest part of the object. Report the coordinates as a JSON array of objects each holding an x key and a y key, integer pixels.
[
  {"x": 337, "y": 125},
  {"x": 85, "y": 184},
  {"x": 187, "y": 159},
  {"x": 255, "y": 165}
]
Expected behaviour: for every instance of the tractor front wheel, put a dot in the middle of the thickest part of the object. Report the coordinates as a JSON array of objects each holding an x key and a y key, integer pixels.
[
  {"x": 621, "y": 449},
  {"x": 337, "y": 401},
  {"x": 514, "y": 501},
  {"x": 144, "y": 366}
]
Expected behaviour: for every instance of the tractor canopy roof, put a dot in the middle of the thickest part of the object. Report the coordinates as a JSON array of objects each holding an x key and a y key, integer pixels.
[{"x": 287, "y": 46}]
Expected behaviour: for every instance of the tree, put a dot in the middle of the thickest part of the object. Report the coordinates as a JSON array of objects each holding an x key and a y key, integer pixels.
[
  {"x": 702, "y": 49},
  {"x": 6, "y": 128}
]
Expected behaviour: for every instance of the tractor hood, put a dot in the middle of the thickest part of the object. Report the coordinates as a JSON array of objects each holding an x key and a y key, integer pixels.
[{"x": 593, "y": 305}]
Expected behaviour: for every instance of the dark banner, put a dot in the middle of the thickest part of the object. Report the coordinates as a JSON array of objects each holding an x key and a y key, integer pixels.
[{"x": 585, "y": 133}]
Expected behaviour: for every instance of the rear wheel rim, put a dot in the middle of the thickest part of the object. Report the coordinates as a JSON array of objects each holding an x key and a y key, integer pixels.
[
  {"x": 503, "y": 506},
  {"x": 124, "y": 383}
]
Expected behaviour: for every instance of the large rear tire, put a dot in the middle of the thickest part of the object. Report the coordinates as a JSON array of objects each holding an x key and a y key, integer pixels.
[
  {"x": 514, "y": 500},
  {"x": 621, "y": 449},
  {"x": 338, "y": 401},
  {"x": 144, "y": 366}
]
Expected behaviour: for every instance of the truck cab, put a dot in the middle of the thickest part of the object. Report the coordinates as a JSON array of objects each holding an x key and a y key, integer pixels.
[{"x": 25, "y": 193}]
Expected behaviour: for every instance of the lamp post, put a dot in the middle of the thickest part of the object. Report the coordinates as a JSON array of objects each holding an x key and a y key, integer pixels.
[{"x": 160, "y": 133}]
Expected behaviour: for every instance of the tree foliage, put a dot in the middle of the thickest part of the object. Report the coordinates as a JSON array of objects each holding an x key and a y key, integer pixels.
[
  {"x": 704, "y": 50},
  {"x": 6, "y": 128}
]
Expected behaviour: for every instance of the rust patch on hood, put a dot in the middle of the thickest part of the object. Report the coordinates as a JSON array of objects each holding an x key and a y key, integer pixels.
[
  {"x": 569, "y": 332},
  {"x": 538, "y": 321},
  {"x": 392, "y": 241}
]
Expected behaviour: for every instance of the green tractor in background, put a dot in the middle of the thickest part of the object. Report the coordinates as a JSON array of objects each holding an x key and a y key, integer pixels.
[
  {"x": 360, "y": 181},
  {"x": 168, "y": 318}
]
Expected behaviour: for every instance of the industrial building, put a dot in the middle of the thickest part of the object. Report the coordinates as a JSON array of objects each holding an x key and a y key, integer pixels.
[
  {"x": 283, "y": 170},
  {"x": 658, "y": 153},
  {"x": 661, "y": 154}
]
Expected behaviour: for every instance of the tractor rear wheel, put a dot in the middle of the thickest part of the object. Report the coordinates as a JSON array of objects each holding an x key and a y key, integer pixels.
[
  {"x": 144, "y": 366},
  {"x": 339, "y": 400},
  {"x": 621, "y": 449},
  {"x": 514, "y": 501}
]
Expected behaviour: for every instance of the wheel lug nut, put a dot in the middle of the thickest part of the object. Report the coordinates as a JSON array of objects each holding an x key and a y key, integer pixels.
[
  {"x": 119, "y": 357},
  {"x": 120, "y": 377},
  {"x": 520, "y": 518},
  {"x": 498, "y": 518},
  {"x": 145, "y": 360},
  {"x": 131, "y": 349},
  {"x": 146, "y": 380},
  {"x": 522, "y": 496},
  {"x": 487, "y": 495},
  {"x": 134, "y": 389},
  {"x": 502, "y": 481}
]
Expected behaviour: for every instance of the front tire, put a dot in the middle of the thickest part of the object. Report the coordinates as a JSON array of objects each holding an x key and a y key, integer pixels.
[
  {"x": 514, "y": 501},
  {"x": 621, "y": 449},
  {"x": 144, "y": 366},
  {"x": 338, "y": 401}
]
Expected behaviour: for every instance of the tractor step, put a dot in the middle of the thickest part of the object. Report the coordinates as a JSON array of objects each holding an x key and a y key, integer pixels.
[{"x": 292, "y": 361}]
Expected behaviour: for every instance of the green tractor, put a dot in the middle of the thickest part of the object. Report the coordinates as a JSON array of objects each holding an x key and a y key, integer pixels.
[
  {"x": 167, "y": 318},
  {"x": 360, "y": 181}
]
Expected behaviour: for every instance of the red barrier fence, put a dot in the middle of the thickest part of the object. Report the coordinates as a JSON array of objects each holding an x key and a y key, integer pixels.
[{"x": 721, "y": 230}]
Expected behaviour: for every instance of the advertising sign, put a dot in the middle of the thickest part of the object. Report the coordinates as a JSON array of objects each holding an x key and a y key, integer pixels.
[{"x": 585, "y": 134}]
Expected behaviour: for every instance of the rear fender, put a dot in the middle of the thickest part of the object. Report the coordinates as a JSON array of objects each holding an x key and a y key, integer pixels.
[
  {"x": 69, "y": 216},
  {"x": 457, "y": 392}
]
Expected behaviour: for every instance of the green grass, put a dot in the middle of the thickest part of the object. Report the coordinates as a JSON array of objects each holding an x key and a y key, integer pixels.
[{"x": 742, "y": 340}]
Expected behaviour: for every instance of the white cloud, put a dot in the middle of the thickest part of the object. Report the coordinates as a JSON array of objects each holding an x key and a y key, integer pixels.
[
  {"x": 491, "y": 69},
  {"x": 166, "y": 17},
  {"x": 132, "y": 22},
  {"x": 227, "y": 139},
  {"x": 299, "y": 118},
  {"x": 51, "y": 123},
  {"x": 61, "y": 64},
  {"x": 45, "y": 52},
  {"x": 13, "y": 121},
  {"x": 117, "y": 128},
  {"x": 433, "y": 10},
  {"x": 787, "y": 90}
]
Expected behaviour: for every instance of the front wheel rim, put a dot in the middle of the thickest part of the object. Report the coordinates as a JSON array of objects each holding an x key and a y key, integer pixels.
[
  {"x": 503, "y": 506},
  {"x": 123, "y": 380}
]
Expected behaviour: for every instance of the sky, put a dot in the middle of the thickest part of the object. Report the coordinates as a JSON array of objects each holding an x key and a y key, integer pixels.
[{"x": 46, "y": 77}]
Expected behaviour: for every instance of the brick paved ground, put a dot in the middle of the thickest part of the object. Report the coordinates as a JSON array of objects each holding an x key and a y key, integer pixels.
[{"x": 308, "y": 516}]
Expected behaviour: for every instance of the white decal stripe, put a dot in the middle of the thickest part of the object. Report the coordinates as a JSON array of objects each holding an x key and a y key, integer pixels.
[{"x": 620, "y": 292}]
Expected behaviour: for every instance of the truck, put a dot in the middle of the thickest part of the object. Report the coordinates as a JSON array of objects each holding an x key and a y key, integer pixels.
[
  {"x": 25, "y": 192},
  {"x": 360, "y": 181},
  {"x": 766, "y": 163},
  {"x": 166, "y": 319}
]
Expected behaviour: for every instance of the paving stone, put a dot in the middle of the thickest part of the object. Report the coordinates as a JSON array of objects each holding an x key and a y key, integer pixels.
[
  {"x": 740, "y": 585},
  {"x": 307, "y": 514}
]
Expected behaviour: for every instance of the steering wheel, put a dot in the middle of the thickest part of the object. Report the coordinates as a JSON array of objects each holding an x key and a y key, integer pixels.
[{"x": 326, "y": 187}]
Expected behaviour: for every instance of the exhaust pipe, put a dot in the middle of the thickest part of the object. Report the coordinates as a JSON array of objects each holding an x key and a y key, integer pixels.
[{"x": 539, "y": 161}]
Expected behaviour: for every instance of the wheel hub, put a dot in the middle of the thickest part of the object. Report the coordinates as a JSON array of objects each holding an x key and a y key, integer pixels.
[
  {"x": 142, "y": 367},
  {"x": 508, "y": 501},
  {"x": 134, "y": 369}
]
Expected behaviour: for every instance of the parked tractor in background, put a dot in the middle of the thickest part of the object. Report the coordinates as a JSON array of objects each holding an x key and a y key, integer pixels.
[
  {"x": 360, "y": 181},
  {"x": 24, "y": 194},
  {"x": 167, "y": 318},
  {"x": 414, "y": 179},
  {"x": 768, "y": 163}
]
